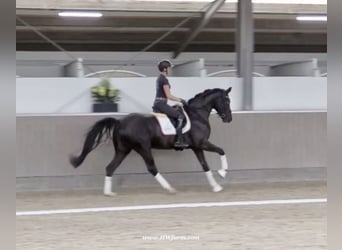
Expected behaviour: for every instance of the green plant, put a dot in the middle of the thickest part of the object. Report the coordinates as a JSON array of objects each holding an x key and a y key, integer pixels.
[{"x": 104, "y": 93}]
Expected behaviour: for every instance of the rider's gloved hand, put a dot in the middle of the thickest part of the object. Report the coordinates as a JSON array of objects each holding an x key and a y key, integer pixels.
[{"x": 184, "y": 102}]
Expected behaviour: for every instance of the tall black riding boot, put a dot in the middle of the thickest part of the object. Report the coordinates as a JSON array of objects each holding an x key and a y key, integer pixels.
[{"x": 179, "y": 140}]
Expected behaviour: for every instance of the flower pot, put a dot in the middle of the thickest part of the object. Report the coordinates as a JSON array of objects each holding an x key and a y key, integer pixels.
[{"x": 105, "y": 107}]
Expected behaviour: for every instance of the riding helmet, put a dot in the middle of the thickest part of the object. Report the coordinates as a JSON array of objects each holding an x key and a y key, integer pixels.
[{"x": 164, "y": 64}]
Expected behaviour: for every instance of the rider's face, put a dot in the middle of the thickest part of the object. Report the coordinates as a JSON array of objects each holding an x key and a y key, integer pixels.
[{"x": 168, "y": 70}]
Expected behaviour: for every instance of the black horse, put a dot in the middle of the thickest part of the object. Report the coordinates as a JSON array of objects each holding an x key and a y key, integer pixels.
[{"x": 141, "y": 132}]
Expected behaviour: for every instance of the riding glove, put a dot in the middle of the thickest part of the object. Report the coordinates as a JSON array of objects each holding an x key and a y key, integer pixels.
[{"x": 184, "y": 102}]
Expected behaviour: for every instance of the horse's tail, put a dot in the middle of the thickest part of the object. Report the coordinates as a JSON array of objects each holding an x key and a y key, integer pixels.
[{"x": 104, "y": 127}]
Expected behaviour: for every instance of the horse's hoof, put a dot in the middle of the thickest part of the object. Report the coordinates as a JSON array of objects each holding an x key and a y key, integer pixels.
[
  {"x": 217, "y": 189},
  {"x": 172, "y": 191},
  {"x": 222, "y": 173},
  {"x": 109, "y": 194}
]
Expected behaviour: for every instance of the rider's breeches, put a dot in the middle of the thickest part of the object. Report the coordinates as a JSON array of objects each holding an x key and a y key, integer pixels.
[{"x": 163, "y": 107}]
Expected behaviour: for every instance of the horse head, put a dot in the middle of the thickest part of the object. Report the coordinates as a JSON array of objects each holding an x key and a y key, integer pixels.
[
  {"x": 217, "y": 99},
  {"x": 222, "y": 105}
]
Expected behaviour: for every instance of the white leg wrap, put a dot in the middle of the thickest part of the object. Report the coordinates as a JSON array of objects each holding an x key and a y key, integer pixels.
[
  {"x": 224, "y": 166},
  {"x": 224, "y": 163},
  {"x": 164, "y": 183},
  {"x": 107, "y": 190},
  {"x": 216, "y": 187}
]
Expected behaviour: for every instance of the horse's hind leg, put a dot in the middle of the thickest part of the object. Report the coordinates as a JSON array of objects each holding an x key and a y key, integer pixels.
[
  {"x": 146, "y": 154},
  {"x": 200, "y": 156},
  {"x": 112, "y": 166}
]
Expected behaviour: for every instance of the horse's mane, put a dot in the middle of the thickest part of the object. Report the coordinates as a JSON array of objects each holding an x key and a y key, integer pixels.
[{"x": 204, "y": 94}]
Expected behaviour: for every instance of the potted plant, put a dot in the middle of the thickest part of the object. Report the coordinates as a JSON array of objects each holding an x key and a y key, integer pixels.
[{"x": 105, "y": 97}]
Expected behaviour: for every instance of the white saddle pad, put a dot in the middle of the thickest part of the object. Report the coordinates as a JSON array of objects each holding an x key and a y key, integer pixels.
[{"x": 166, "y": 125}]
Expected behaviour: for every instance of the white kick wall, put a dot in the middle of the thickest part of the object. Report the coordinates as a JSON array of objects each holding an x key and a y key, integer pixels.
[{"x": 72, "y": 95}]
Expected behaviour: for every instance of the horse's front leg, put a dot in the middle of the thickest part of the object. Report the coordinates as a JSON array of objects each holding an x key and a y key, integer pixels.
[
  {"x": 207, "y": 146},
  {"x": 200, "y": 156}
]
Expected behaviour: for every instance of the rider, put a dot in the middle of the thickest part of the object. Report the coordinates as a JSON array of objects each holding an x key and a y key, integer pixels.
[{"x": 163, "y": 94}]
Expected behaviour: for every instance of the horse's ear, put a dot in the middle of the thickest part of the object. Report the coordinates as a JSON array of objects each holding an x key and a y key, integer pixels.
[{"x": 228, "y": 90}]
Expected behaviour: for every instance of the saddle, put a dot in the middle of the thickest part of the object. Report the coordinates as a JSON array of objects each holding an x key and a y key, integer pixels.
[{"x": 168, "y": 124}]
